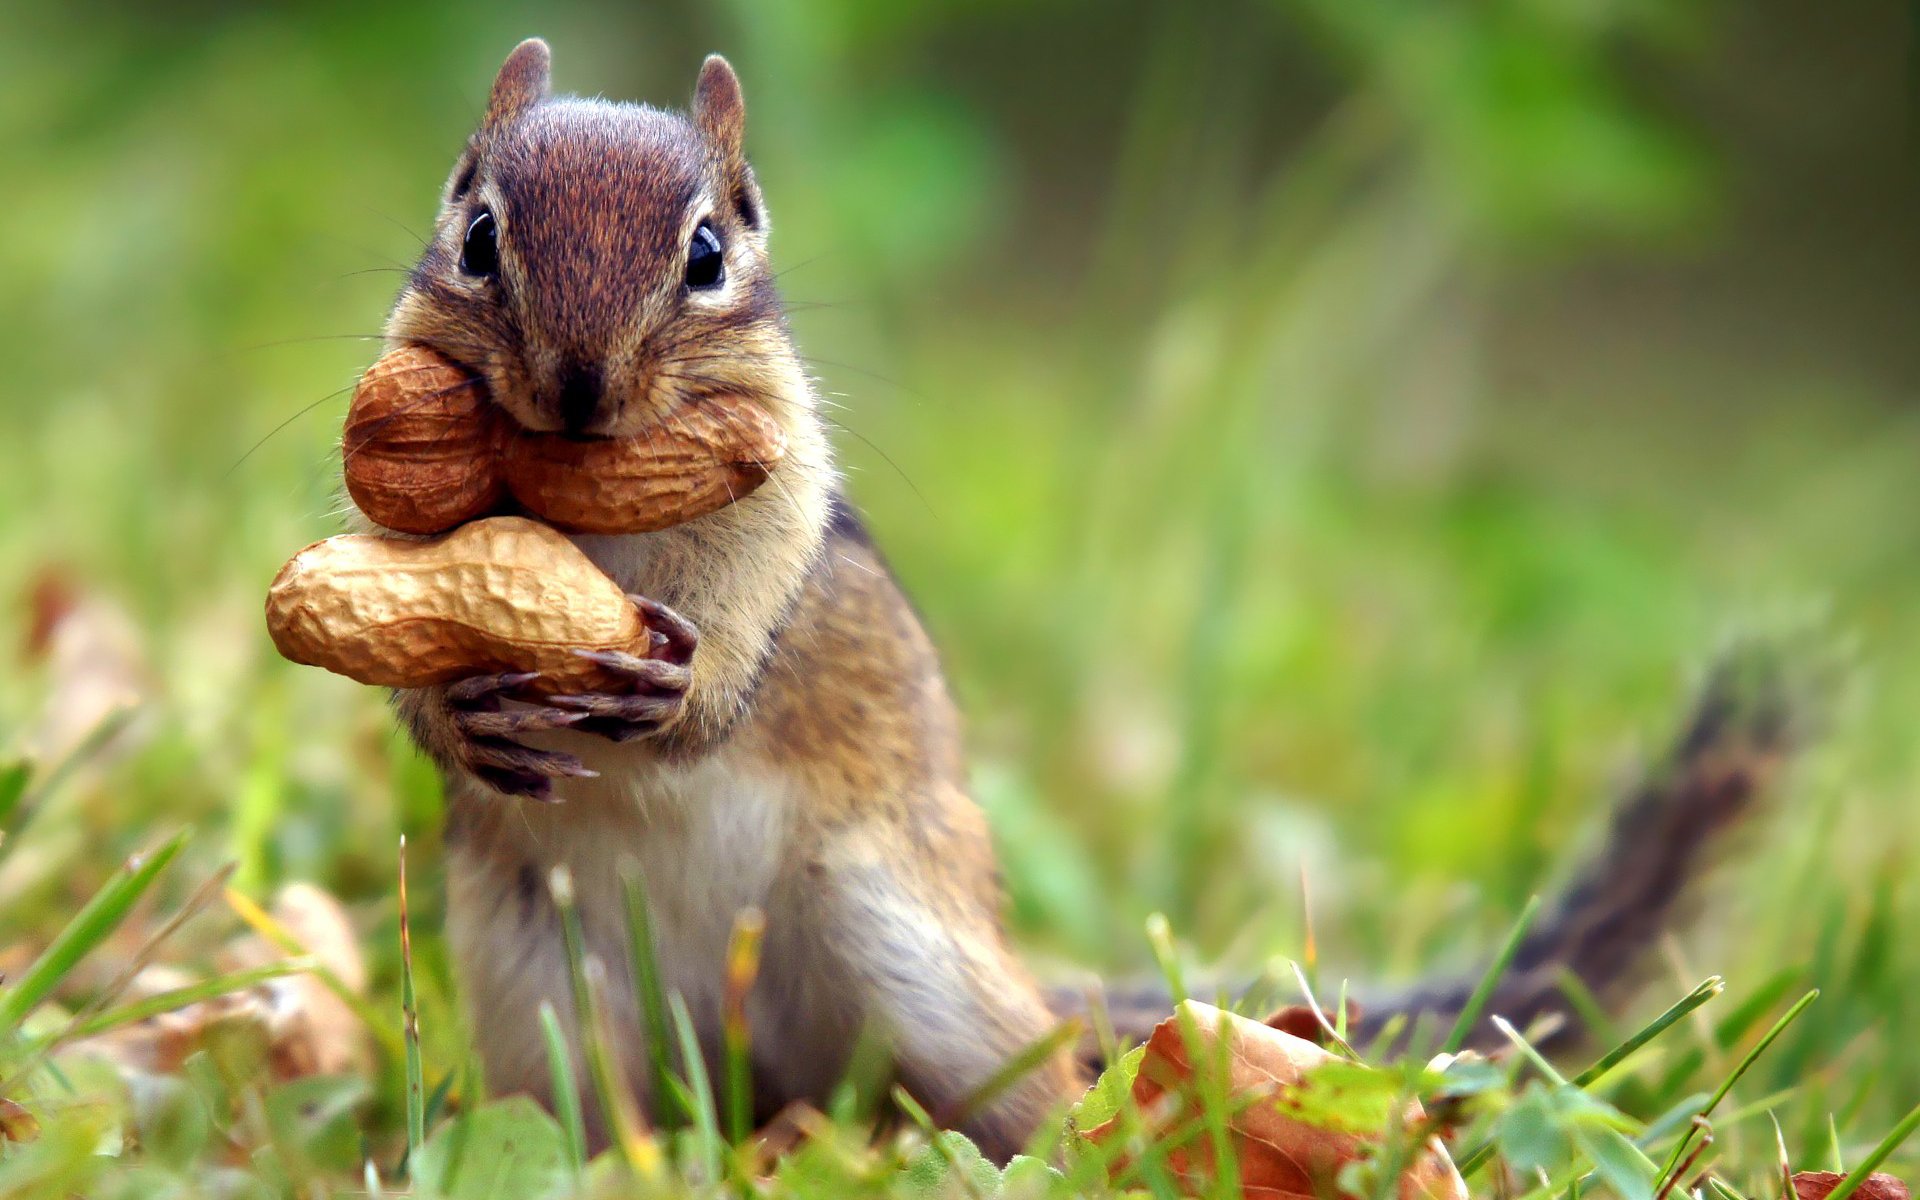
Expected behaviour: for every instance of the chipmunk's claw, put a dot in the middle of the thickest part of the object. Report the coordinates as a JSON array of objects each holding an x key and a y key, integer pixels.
[
  {"x": 621, "y": 718},
  {"x": 480, "y": 690},
  {"x": 485, "y": 732},
  {"x": 675, "y": 637},
  {"x": 656, "y": 674},
  {"x": 651, "y": 689}
]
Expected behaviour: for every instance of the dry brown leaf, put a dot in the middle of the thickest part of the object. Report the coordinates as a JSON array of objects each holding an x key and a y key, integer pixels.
[
  {"x": 16, "y": 1123},
  {"x": 161, "y": 1045},
  {"x": 789, "y": 1129},
  {"x": 1302, "y": 1022},
  {"x": 95, "y": 658},
  {"x": 311, "y": 1031},
  {"x": 306, "y": 1028},
  {"x": 1816, "y": 1185},
  {"x": 1280, "y": 1156}
]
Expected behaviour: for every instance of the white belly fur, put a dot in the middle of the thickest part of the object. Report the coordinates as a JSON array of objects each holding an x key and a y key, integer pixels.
[{"x": 707, "y": 840}]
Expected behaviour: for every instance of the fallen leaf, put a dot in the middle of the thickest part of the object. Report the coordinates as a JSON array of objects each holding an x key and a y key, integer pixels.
[
  {"x": 1302, "y": 1022},
  {"x": 1280, "y": 1156},
  {"x": 161, "y": 1045},
  {"x": 790, "y": 1128},
  {"x": 306, "y": 1028},
  {"x": 96, "y": 662},
  {"x": 1815, "y": 1185},
  {"x": 16, "y": 1123},
  {"x": 311, "y": 1030}
]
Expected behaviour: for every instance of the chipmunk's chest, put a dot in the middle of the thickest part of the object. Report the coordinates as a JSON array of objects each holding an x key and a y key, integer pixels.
[
  {"x": 636, "y": 561},
  {"x": 703, "y": 844}
]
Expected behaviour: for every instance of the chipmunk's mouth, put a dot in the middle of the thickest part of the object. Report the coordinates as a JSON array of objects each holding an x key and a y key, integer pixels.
[
  {"x": 580, "y": 398},
  {"x": 424, "y": 451},
  {"x": 583, "y": 412},
  {"x": 583, "y": 406}
]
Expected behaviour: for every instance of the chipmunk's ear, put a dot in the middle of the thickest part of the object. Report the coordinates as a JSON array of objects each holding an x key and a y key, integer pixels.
[
  {"x": 719, "y": 112},
  {"x": 524, "y": 81}
]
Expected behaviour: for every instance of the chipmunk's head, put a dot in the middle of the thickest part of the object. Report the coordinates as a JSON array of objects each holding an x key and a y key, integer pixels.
[{"x": 602, "y": 264}]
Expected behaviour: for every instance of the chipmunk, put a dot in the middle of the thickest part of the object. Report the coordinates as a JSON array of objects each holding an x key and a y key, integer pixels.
[{"x": 794, "y": 749}]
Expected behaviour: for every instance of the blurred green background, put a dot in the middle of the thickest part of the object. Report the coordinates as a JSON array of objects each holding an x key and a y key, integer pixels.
[{"x": 1323, "y": 434}]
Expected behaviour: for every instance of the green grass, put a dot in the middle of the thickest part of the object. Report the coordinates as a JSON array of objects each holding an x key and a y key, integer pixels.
[{"x": 1275, "y": 522}]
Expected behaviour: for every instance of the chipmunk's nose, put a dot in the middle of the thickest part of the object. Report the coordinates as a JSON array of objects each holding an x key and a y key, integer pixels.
[{"x": 579, "y": 396}]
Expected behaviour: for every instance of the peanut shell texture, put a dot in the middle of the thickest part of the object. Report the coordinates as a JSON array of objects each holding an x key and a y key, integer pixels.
[
  {"x": 498, "y": 594},
  {"x": 424, "y": 450},
  {"x": 421, "y": 444},
  {"x": 700, "y": 460}
]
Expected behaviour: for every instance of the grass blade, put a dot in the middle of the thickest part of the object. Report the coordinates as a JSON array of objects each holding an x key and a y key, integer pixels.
[
  {"x": 1160, "y": 939},
  {"x": 1016, "y": 1068},
  {"x": 566, "y": 1087},
  {"x": 1476, "y": 1158},
  {"x": 89, "y": 927},
  {"x": 1334, "y": 1035},
  {"x": 706, "y": 1121},
  {"x": 201, "y": 897},
  {"x": 1496, "y": 971},
  {"x": 621, "y": 1116},
  {"x": 1708, "y": 989},
  {"x": 1722, "y": 1190},
  {"x": 180, "y": 997},
  {"x": 26, "y": 796},
  {"x": 1678, "y": 1114},
  {"x": 1587, "y": 1009},
  {"x": 956, "y": 1169},
  {"x": 1622, "y": 1164},
  {"x": 1868, "y": 1165},
  {"x": 669, "y": 1113},
  {"x": 1783, "y": 1163},
  {"x": 410, "y": 1023},
  {"x": 1726, "y": 1085},
  {"x": 13, "y": 786},
  {"x": 743, "y": 966},
  {"x": 629, "y": 1128},
  {"x": 1690, "y": 1164},
  {"x": 1533, "y": 1057},
  {"x": 1749, "y": 1012},
  {"x": 443, "y": 1091},
  {"x": 1209, "y": 1059}
]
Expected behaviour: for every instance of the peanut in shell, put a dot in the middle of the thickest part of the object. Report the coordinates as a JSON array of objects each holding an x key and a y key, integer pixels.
[
  {"x": 421, "y": 445},
  {"x": 499, "y": 594},
  {"x": 424, "y": 449},
  {"x": 703, "y": 458}
]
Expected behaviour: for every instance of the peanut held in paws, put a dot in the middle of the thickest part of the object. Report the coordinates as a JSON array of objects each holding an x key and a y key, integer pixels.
[
  {"x": 497, "y": 595},
  {"x": 424, "y": 450}
]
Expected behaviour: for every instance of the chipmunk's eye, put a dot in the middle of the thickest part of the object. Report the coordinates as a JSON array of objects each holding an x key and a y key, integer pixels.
[
  {"x": 480, "y": 253},
  {"x": 706, "y": 265}
]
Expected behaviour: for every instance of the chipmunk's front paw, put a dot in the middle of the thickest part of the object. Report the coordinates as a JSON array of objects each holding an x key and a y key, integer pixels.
[
  {"x": 655, "y": 690},
  {"x": 484, "y": 733}
]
